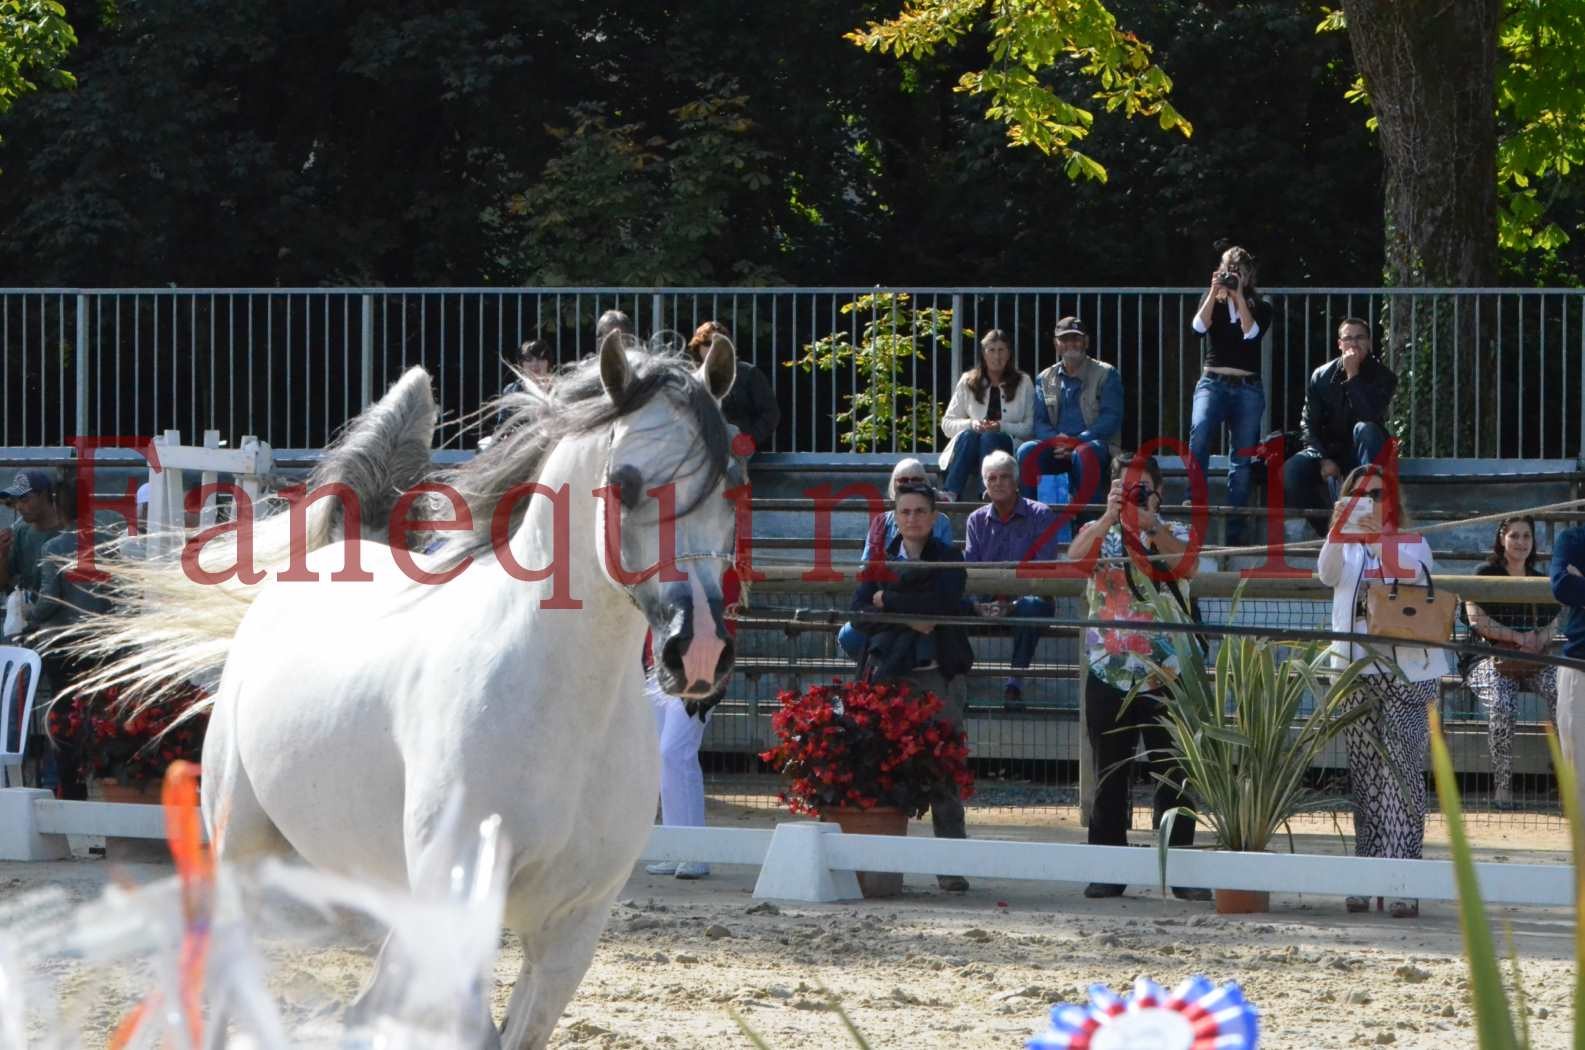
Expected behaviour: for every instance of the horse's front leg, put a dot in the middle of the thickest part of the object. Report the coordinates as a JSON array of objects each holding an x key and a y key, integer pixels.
[{"x": 555, "y": 958}]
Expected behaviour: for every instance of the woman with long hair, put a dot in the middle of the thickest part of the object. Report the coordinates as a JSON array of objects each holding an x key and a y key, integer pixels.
[
  {"x": 992, "y": 408},
  {"x": 1232, "y": 316},
  {"x": 1366, "y": 544},
  {"x": 1522, "y": 626}
]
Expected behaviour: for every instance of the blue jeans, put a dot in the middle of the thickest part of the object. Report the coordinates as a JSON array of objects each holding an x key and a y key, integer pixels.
[
  {"x": 1305, "y": 489},
  {"x": 1026, "y": 638},
  {"x": 1220, "y": 399},
  {"x": 1087, "y": 456},
  {"x": 853, "y": 642},
  {"x": 968, "y": 452}
]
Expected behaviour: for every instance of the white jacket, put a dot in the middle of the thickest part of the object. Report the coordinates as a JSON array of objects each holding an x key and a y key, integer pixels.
[
  {"x": 1018, "y": 415},
  {"x": 1343, "y": 567}
]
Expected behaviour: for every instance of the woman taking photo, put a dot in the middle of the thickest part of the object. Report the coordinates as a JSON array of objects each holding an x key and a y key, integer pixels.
[
  {"x": 1388, "y": 794},
  {"x": 992, "y": 408},
  {"x": 1233, "y": 316},
  {"x": 1524, "y": 627}
]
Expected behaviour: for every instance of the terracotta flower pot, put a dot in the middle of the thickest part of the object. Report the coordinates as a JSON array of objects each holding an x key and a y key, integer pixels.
[
  {"x": 882, "y": 820},
  {"x": 129, "y": 850},
  {"x": 1242, "y": 902},
  {"x": 146, "y": 793}
]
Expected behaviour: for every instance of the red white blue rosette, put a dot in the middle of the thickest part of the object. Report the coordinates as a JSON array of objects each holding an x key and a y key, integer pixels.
[{"x": 1197, "y": 1015}]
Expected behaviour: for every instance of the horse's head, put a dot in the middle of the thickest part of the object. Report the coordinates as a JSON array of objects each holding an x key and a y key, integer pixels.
[{"x": 669, "y": 467}]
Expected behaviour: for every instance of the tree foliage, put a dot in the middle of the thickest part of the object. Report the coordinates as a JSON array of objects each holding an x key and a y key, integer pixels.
[
  {"x": 34, "y": 40},
  {"x": 1539, "y": 102},
  {"x": 1027, "y": 38}
]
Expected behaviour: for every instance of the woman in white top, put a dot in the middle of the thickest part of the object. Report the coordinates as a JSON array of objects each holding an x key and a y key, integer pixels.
[
  {"x": 1389, "y": 796},
  {"x": 992, "y": 407}
]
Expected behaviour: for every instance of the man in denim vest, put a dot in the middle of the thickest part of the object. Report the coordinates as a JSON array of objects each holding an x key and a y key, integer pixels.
[{"x": 1078, "y": 416}]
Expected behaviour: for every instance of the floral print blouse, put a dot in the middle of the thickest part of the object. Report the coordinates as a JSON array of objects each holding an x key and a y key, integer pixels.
[{"x": 1117, "y": 657}]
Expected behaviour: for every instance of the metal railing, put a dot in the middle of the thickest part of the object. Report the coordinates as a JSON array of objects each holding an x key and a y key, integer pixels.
[{"x": 1482, "y": 372}]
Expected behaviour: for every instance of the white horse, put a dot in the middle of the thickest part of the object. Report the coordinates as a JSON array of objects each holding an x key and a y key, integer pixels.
[{"x": 349, "y": 713}]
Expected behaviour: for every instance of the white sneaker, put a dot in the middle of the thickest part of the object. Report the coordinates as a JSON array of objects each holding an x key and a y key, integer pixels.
[
  {"x": 663, "y": 867},
  {"x": 693, "y": 870}
]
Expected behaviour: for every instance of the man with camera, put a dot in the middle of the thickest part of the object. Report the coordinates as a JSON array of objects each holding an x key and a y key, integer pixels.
[
  {"x": 1078, "y": 415},
  {"x": 1132, "y": 555},
  {"x": 1344, "y": 422},
  {"x": 1234, "y": 316}
]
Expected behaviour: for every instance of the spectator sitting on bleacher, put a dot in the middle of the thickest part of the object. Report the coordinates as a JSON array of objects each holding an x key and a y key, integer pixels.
[
  {"x": 1127, "y": 537},
  {"x": 882, "y": 530},
  {"x": 1078, "y": 415},
  {"x": 1344, "y": 422},
  {"x": 1524, "y": 626},
  {"x": 35, "y": 497},
  {"x": 922, "y": 654},
  {"x": 609, "y": 322},
  {"x": 64, "y": 600},
  {"x": 751, "y": 404},
  {"x": 992, "y": 409},
  {"x": 1010, "y": 528}
]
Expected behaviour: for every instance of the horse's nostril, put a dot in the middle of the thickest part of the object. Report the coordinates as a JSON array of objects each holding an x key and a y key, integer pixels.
[{"x": 671, "y": 652}]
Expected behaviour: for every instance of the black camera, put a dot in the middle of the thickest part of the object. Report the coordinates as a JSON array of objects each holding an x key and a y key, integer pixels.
[
  {"x": 1140, "y": 494},
  {"x": 1228, "y": 279}
]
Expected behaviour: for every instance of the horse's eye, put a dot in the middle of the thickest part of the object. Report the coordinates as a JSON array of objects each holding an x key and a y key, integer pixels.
[{"x": 629, "y": 484}]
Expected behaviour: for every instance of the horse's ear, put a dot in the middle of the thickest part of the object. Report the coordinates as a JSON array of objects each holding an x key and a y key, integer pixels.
[
  {"x": 719, "y": 368},
  {"x": 615, "y": 372}
]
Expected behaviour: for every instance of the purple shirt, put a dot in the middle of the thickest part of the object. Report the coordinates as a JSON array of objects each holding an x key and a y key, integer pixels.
[{"x": 1024, "y": 535}]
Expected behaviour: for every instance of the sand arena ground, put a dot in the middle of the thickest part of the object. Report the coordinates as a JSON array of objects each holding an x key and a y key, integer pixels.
[{"x": 976, "y": 971}]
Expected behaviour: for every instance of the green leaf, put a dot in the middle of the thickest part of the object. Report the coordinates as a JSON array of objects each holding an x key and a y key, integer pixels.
[{"x": 1493, "y": 1023}]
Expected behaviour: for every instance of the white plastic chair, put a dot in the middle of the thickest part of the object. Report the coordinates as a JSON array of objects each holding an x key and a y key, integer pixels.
[{"x": 16, "y": 705}]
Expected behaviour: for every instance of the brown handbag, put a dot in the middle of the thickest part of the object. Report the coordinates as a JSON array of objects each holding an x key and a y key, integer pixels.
[
  {"x": 1518, "y": 670},
  {"x": 1411, "y": 611}
]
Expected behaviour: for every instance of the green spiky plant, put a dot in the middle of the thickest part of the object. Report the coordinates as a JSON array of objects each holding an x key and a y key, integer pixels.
[
  {"x": 1239, "y": 733},
  {"x": 1494, "y": 1015}
]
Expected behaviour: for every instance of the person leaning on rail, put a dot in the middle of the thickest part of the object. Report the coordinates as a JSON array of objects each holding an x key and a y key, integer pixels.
[
  {"x": 923, "y": 654},
  {"x": 992, "y": 409},
  {"x": 1133, "y": 555},
  {"x": 882, "y": 530},
  {"x": 1366, "y": 544},
  {"x": 1568, "y": 587},
  {"x": 1523, "y": 626}
]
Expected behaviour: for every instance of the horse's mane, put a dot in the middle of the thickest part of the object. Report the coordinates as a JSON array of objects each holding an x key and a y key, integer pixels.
[
  {"x": 166, "y": 630},
  {"x": 535, "y": 423}
]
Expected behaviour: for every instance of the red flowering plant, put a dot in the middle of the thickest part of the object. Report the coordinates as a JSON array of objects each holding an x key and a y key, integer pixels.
[
  {"x": 132, "y": 749},
  {"x": 863, "y": 745}
]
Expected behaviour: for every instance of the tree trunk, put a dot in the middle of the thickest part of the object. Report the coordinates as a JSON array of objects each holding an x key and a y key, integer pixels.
[{"x": 1430, "y": 68}]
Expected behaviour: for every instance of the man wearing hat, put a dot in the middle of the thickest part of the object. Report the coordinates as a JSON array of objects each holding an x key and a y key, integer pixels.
[
  {"x": 34, "y": 496},
  {"x": 1078, "y": 415}
]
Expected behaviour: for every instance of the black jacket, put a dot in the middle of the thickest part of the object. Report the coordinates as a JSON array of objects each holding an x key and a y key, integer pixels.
[
  {"x": 922, "y": 592},
  {"x": 1333, "y": 404},
  {"x": 751, "y": 406}
]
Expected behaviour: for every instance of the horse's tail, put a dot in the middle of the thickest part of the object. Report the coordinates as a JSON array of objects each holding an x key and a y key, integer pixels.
[{"x": 168, "y": 629}]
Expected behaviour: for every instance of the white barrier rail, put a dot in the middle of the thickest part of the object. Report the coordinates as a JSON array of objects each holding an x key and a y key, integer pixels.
[{"x": 815, "y": 863}]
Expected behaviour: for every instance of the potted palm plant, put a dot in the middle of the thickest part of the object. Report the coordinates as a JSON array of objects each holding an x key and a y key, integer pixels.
[{"x": 1243, "y": 740}]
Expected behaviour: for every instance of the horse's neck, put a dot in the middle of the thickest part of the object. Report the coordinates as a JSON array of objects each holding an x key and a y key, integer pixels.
[{"x": 605, "y": 616}]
